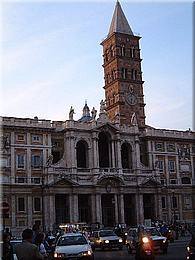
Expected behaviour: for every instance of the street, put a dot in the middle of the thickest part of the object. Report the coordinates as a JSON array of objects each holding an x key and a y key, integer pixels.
[{"x": 176, "y": 251}]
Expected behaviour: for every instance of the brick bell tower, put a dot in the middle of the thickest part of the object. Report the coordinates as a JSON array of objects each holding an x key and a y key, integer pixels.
[{"x": 122, "y": 72}]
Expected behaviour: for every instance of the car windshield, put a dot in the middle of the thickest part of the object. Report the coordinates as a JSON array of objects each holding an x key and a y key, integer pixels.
[
  {"x": 72, "y": 240},
  {"x": 107, "y": 233},
  {"x": 152, "y": 232}
]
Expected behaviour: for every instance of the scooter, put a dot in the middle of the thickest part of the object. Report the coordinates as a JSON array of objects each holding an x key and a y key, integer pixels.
[{"x": 144, "y": 249}]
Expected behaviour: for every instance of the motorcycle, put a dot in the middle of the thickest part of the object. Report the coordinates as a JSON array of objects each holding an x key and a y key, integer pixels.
[
  {"x": 144, "y": 249},
  {"x": 190, "y": 252}
]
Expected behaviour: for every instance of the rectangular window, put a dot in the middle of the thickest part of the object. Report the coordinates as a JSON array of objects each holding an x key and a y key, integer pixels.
[
  {"x": 36, "y": 138},
  {"x": 171, "y": 147},
  {"x": 21, "y": 223},
  {"x": 174, "y": 202},
  {"x": 21, "y": 204},
  {"x": 124, "y": 73},
  {"x": 37, "y": 204},
  {"x": 160, "y": 166},
  {"x": 159, "y": 146},
  {"x": 36, "y": 161},
  {"x": 163, "y": 200},
  {"x": 171, "y": 166},
  {"x": 20, "y": 137},
  {"x": 188, "y": 202},
  {"x": 20, "y": 161}
]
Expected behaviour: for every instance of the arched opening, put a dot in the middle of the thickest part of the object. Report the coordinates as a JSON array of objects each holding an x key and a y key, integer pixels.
[
  {"x": 82, "y": 154},
  {"x": 104, "y": 145},
  {"x": 126, "y": 156}
]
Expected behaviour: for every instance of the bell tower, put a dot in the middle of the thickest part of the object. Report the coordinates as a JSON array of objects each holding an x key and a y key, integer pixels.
[{"x": 122, "y": 72}]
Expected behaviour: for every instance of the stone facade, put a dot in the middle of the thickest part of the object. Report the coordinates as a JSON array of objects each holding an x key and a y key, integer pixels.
[{"x": 113, "y": 169}]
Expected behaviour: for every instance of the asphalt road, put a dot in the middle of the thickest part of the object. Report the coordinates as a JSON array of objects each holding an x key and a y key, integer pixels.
[{"x": 176, "y": 251}]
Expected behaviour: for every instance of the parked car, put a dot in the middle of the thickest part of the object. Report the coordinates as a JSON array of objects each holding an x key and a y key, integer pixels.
[
  {"x": 73, "y": 246},
  {"x": 106, "y": 239}
]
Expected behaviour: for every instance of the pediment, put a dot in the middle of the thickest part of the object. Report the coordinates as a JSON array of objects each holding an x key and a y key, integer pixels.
[
  {"x": 64, "y": 182},
  {"x": 150, "y": 182},
  {"x": 107, "y": 127}
]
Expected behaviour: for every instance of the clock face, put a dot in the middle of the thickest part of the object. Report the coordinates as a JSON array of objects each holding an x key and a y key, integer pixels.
[{"x": 131, "y": 99}]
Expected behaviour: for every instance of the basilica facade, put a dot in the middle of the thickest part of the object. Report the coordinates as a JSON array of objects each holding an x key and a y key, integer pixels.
[{"x": 107, "y": 167}]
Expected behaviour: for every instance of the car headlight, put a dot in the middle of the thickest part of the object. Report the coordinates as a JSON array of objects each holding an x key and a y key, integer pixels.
[
  {"x": 120, "y": 240},
  {"x": 145, "y": 240},
  {"x": 58, "y": 255},
  {"x": 188, "y": 248},
  {"x": 164, "y": 241},
  {"x": 125, "y": 234},
  {"x": 106, "y": 241},
  {"x": 86, "y": 253}
]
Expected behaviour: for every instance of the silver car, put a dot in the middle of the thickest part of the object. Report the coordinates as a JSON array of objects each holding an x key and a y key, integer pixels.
[{"x": 73, "y": 246}]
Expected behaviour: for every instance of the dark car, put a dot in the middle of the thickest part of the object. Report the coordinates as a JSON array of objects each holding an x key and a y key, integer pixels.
[{"x": 106, "y": 239}]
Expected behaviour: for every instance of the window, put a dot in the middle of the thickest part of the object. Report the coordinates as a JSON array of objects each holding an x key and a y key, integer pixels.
[
  {"x": 133, "y": 74},
  {"x": 20, "y": 137},
  {"x": 21, "y": 223},
  {"x": 163, "y": 200},
  {"x": 159, "y": 146},
  {"x": 124, "y": 73},
  {"x": 36, "y": 161},
  {"x": 174, "y": 202},
  {"x": 36, "y": 138},
  {"x": 188, "y": 201},
  {"x": 171, "y": 166},
  {"x": 122, "y": 50},
  {"x": 37, "y": 204},
  {"x": 170, "y": 147},
  {"x": 172, "y": 181},
  {"x": 20, "y": 161},
  {"x": 185, "y": 180},
  {"x": 132, "y": 52},
  {"x": 160, "y": 165},
  {"x": 21, "y": 204}
]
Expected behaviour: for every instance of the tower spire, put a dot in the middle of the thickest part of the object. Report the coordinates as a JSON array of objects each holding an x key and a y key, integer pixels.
[{"x": 119, "y": 22}]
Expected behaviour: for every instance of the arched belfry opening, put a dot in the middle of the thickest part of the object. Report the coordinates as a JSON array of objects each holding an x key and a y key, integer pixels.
[
  {"x": 104, "y": 145},
  {"x": 126, "y": 156},
  {"x": 82, "y": 154}
]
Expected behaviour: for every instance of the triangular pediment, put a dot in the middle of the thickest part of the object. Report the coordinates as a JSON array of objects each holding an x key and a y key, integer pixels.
[
  {"x": 64, "y": 182},
  {"x": 150, "y": 182},
  {"x": 107, "y": 127}
]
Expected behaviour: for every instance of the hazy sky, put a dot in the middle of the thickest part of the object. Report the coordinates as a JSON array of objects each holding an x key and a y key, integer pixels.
[{"x": 52, "y": 58}]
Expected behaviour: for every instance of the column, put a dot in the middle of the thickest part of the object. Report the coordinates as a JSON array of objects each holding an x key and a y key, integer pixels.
[
  {"x": 180, "y": 206},
  {"x": 95, "y": 150},
  {"x": 118, "y": 143},
  {"x": 28, "y": 159},
  {"x": 13, "y": 211},
  {"x": 166, "y": 169},
  {"x": 72, "y": 151},
  {"x": 52, "y": 212},
  {"x": 122, "y": 211},
  {"x": 137, "y": 208},
  {"x": 13, "y": 159},
  {"x": 98, "y": 208},
  {"x": 113, "y": 154},
  {"x": 71, "y": 207},
  {"x": 29, "y": 210},
  {"x": 116, "y": 208},
  {"x": 137, "y": 152},
  {"x": 170, "y": 212},
  {"x": 151, "y": 163},
  {"x": 93, "y": 217},
  {"x": 75, "y": 208},
  {"x": 159, "y": 205},
  {"x": 141, "y": 209}
]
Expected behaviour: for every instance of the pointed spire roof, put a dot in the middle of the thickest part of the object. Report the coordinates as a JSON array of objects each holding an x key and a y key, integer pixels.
[{"x": 119, "y": 22}]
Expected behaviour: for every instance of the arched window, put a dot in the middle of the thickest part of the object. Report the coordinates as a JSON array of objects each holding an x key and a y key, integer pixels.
[
  {"x": 82, "y": 154},
  {"x": 126, "y": 156},
  {"x": 185, "y": 180},
  {"x": 104, "y": 145}
]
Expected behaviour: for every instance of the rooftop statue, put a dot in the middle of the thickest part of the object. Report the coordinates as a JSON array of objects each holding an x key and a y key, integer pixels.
[{"x": 71, "y": 113}]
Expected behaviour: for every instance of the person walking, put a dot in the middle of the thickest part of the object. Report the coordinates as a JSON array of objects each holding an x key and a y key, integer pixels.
[
  {"x": 39, "y": 241},
  {"x": 27, "y": 250},
  {"x": 7, "y": 247}
]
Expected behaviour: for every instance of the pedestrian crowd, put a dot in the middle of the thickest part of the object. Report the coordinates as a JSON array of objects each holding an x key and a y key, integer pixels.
[{"x": 35, "y": 245}]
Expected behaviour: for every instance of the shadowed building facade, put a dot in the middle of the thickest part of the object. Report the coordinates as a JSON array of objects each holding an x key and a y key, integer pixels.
[{"x": 108, "y": 169}]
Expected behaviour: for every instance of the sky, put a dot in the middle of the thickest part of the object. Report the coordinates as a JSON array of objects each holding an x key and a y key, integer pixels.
[{"x": 52, "y": 58}]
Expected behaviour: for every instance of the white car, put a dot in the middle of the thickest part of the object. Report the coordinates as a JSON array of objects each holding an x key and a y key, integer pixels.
[{"x": 73, "y": 246}]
